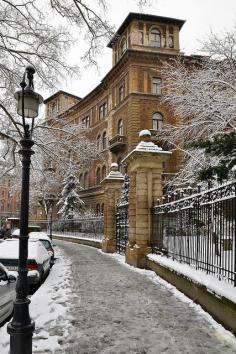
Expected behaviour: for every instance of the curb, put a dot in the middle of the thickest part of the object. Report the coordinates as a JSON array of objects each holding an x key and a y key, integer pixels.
[
  {"x": 82, "y": 241},
  {"x": 222, "y": 310}
]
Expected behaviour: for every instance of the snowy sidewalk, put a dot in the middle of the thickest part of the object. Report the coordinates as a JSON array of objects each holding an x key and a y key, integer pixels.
[
  {"x": 93, "y": 304},
  {"x": 119, "y": 309}
]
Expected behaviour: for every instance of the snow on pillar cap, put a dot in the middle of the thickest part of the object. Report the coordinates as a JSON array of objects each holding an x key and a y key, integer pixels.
[
  {"x": 145, "y": 142},
  {"x": 144, "y": 132},
  {"x": 114, "y": 166},
  {"x": 114, "y": 173}
]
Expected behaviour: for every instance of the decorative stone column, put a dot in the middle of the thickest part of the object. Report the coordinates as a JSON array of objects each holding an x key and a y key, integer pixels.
[
  {"x": 145, "y": 167},
  {"x": 112, "y": 189}
]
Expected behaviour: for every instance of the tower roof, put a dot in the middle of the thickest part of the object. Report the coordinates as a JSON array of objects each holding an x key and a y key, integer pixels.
[{"x": 143, "y": 17}]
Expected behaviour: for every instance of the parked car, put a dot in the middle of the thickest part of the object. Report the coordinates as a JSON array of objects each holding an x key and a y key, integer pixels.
[
  {"x": 38, "y": 258},
  {"x": 46, "y": 241},
  {"x": 7, "y": 293},
  {"x": 31, "y": 228}
]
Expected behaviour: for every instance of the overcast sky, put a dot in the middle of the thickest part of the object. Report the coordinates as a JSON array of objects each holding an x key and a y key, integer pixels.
[{"x": 201, "y": 17}]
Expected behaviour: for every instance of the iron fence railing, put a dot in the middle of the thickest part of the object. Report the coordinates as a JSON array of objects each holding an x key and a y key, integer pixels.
[
  {"x": 122, "y": 218},
  {"x": 199, "y": 229},
  {"x": 83, "y": 227},
  {"x": 122, "y": 227}
]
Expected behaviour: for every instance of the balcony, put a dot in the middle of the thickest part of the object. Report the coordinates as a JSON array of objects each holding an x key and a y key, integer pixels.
[{"x": 117, "y": 143}]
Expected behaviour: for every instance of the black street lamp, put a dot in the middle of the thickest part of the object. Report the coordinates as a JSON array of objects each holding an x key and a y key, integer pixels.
[
  {"x": 21, "y": 327},
  {"x": 49, "y": 201}
]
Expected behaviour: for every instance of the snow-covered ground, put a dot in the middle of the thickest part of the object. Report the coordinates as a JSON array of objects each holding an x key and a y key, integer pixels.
[
  {"x": 220, "y": 288},
  {"x": 222, "y": 332},
  {"x": 115, "y": 308},
  {"x": 48, "y": 309}
]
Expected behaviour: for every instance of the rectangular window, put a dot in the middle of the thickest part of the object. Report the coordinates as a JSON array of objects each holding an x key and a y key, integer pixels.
[
  {"x": 156, "y": 86},
  {"x": 103, "y": 110},
  {"x": 140, "y": 37},
  {"x": 54, "y": 108},
  {"x": 86, "y": 122},
  {"x": 171, "y": 42},
  {"x": 121, "y": 92}
]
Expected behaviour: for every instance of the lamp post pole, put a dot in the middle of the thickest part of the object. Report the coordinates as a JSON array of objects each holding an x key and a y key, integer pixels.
[
  {"x": 49, "y": 202},
  {"x": 50, "y": 224},
  {"x": 21, "y": 327}
]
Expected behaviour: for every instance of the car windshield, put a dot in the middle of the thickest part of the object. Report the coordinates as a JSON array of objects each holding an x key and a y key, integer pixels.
[{"x": 34, "y": 228}]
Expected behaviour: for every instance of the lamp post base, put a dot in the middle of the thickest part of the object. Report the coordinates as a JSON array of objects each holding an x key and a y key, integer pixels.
[{"x": 21, "y": 329}]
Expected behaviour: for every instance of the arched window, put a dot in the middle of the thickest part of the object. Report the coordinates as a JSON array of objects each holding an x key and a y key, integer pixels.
[
  {"x": 155, "y": 37},
  {"x": 99, "y": 142},
  {"x": 104, "y": 141},
  {"x": 120, "y": 128},
  {"x": 98, "y": 175},
  {"x": 102, "y": 208},
  {"x": 86, "y": 180},
  {"x": 104, "y": 172},
  {"x": 157, "y": 121},
  {"x": 123, "y": 45}
]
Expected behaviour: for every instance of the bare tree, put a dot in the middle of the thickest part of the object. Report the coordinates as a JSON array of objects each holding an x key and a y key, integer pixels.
[
  {"x": 201, "y": 91},
  {"x": 31, "y": 33},
  {"x": 40, "y": 33}
]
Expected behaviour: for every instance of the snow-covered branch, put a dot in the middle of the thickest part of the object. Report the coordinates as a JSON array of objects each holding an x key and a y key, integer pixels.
[{"x": 202, "y": 93}]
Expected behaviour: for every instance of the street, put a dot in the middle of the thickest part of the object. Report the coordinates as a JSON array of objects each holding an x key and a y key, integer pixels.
[{"x": 120, "y": 310}]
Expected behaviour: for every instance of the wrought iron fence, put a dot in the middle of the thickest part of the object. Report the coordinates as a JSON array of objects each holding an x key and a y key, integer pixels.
[
  {"x": 83, "y": 227},
  {"x": 122, "y": 219},
  {"x": 122, "y": 228},
  {"x": 199, "y": 229}
]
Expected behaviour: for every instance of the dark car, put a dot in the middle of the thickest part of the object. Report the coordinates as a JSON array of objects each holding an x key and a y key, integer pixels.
[
  {"x": 2, "y": 233},
  {"x": 7, "y": 293}
]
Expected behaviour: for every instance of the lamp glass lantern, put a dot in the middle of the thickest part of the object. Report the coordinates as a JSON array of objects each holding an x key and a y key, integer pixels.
[{"x": 32, "y": 100}]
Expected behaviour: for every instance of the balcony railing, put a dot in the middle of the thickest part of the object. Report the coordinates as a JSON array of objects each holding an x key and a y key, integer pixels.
[{"x": 117, "y": 143}]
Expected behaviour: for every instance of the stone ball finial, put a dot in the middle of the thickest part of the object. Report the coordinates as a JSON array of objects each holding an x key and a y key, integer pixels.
[
  {"x": 145, "y": 135},
  {"x": 114, "y": 166}
]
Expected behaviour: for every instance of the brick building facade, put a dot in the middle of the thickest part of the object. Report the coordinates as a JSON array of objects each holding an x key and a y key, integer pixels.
[
  {"x": 9, "y": 201},
  {"x": 127, "y": 100}
]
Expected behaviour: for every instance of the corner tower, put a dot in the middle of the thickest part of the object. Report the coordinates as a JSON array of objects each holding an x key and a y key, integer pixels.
[{"x": 146, "y": 33}]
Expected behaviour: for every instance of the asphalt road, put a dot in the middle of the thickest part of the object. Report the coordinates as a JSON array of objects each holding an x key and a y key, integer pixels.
[{"x": 117, "y": 310}]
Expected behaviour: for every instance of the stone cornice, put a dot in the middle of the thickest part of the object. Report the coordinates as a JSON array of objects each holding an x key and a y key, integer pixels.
[{"x": 128, "y": 58}]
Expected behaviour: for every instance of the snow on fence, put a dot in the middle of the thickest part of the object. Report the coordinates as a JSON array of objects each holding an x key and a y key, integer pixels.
[
  {"x": 91, "y": 227},
  {"x": 199, "y": 229}
]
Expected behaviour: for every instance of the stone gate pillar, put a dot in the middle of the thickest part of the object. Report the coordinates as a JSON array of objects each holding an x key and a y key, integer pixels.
[
  {"x": 144, "y": 167},
  {"x": 112, "y": 189}
]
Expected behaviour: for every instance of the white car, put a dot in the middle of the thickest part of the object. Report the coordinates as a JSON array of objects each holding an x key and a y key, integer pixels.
[
  {"x": 46, "y": 241},
  {"x": 38, "y": 259},
  {"x": 7, "y": 293}
]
